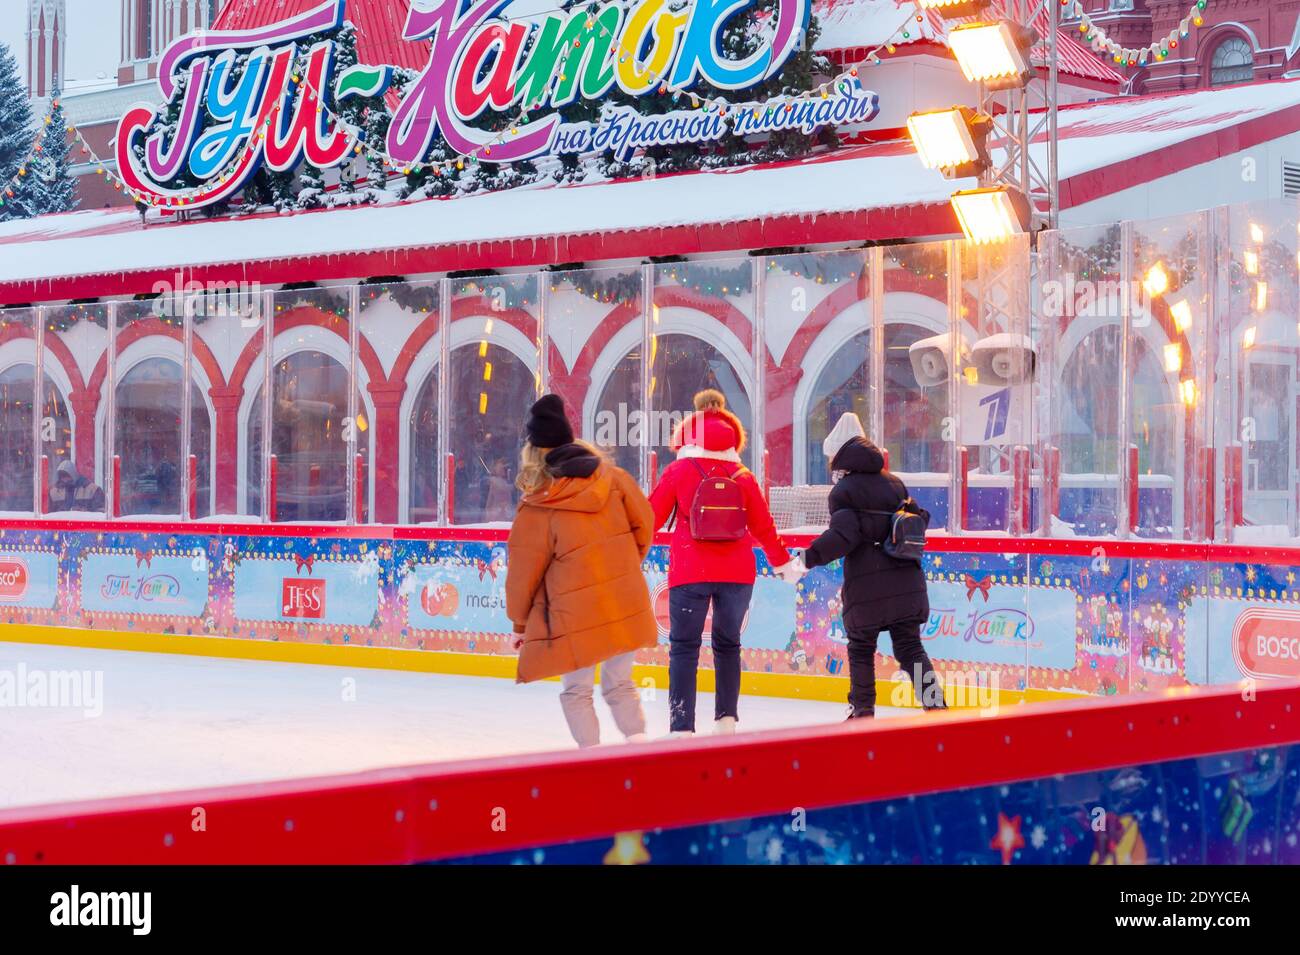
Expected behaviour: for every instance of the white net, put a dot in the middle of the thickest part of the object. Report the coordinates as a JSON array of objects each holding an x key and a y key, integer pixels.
[{"x": 801, "y": 509}]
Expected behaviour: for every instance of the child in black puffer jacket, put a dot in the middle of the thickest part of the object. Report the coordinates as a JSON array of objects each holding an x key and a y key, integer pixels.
[{"x": 880, "y": 593}]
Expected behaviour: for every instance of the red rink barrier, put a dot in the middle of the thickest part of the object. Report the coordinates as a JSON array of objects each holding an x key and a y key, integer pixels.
[{"x": 423, "y": 813}]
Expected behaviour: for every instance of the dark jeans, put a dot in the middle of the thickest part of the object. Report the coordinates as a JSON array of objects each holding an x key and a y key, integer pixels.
[
  {"x": 687, "y": 606},
  {"x": 906, "y": 637}
]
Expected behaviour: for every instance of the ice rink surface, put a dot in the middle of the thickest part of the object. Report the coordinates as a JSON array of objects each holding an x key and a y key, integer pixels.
[{"x": 173, "y": 722}]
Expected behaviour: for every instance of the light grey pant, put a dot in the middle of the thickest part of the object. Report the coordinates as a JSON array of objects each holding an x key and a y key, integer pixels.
[{"x": 616, "y": 687}]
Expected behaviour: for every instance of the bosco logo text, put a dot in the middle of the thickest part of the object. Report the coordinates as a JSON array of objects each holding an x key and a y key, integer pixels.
[
  {"x": 13, "y": 580},
  {"x": 1266, "y": 643}
]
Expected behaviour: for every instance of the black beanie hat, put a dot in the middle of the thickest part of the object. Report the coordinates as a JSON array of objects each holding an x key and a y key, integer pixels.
[{"x": 547, "y": 425}]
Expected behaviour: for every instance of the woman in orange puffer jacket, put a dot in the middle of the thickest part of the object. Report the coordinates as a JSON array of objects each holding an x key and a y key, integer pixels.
[{"x": 575, "y": 590}]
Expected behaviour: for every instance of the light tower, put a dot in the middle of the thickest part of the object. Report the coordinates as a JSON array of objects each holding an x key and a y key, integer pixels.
[{"x": 47, "y": 46}]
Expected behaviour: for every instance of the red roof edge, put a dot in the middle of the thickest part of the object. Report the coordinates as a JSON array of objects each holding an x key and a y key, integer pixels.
[
  {"x": 1108, "y": 180},
  {"x": 906, "y": 222}
]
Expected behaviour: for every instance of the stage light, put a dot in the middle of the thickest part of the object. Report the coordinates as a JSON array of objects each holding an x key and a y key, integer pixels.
[
  {"x": 950, "y": 9},
  {"x": 1261, "y": 296},
  {"x": 1173, "y": 358},
  {"x": 991, "y": 215},
  {"x": 1248, "y": 338},
  {"x": 1252, "y": 263},
  {"x": 1157, "y": 281},
  {"x": 1182, "y": 314},
  {"x": 995, "y": 54},
  {"x": 1187, "y": 391},
  {"x": 951, "y": 140}
]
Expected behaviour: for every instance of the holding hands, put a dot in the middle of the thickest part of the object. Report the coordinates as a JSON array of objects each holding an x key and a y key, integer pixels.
[{"x": 793, "y": 570}]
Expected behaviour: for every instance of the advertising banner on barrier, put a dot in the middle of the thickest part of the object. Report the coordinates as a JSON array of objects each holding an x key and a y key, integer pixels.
[
  {"x": 144, "y": 582},
  {"x": 1231, "y": 640},
  {"x": 975, "y": 620},
  {"x": 459, "y": 595},
  {"x": 29, "y": 579},
  {"x": 305, "y": 589},
  {"x": 769, "y": 624}
]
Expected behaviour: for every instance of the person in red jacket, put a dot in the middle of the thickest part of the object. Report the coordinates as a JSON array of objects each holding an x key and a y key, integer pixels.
[{"x": 704, "y": 573}]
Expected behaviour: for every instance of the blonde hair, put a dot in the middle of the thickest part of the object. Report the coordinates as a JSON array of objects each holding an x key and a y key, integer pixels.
[
  {"x": 534, "y": 473},
  {"x": 710, "y": 399}
]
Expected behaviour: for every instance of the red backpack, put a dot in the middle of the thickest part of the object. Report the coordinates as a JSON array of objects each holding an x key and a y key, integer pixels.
[{"x": 718, "y": 508}]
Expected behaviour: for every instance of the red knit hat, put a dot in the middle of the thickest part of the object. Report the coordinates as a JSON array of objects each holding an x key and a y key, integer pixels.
[{"x": 712, "y": 427}]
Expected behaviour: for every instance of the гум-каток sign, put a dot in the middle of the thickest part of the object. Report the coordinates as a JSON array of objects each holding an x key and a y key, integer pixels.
[{"x": 278, "y": 113}]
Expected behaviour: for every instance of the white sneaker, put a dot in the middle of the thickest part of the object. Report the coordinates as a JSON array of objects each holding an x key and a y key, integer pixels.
[
  {"x": 680, "y": 734},
  {"x": 638, "y": 738},
  {"x": 725, "y": 726}
]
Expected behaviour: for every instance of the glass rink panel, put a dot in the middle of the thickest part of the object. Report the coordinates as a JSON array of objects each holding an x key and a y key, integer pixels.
[{"x": 1133, "y": 380}]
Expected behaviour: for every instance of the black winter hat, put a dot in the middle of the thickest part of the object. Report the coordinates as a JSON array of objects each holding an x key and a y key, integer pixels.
[{"x": 547, "y": 425}]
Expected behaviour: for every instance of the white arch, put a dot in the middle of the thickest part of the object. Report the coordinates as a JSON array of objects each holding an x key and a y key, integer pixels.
[
  {"x": 901, "y": 308},
  {"x": 426, "y": 360},
  {"x": 142, "y": 350},
  {"x": 22, "y": 351},
  {"x": 291, "y": 342},
  {"x": 1215, "y": 36},
  {"x": 465, "y": 332},
  {"x": 673, "y": 320},
  {"x": 619, "y": 346}
]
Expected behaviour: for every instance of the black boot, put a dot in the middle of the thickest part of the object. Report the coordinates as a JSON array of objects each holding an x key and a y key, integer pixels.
[{"x": 860, "y": 714}]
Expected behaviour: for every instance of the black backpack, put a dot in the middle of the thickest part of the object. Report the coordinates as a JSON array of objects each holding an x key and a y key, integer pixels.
[{"x": 907, "y": 525}]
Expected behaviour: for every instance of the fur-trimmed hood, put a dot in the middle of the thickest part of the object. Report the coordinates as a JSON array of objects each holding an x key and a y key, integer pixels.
[{"x": 715, "y": 429}]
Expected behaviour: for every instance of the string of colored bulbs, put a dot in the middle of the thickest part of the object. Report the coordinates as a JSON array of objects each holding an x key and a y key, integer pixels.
[
  {"x": 38, "y": 146},
  {"x": 1158, "y": 50},
  {"x": 359, "y": 146}
]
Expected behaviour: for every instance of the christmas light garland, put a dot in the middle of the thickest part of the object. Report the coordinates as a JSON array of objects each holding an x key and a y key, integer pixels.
[
  {"x": 1155, "y": 51},
  {"x": 9, "y": 191}
]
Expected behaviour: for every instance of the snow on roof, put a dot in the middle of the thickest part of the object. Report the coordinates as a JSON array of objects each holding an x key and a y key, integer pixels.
[
  {"x": 851, "y": 24},
  {"x": 1110, "y": 131},
  {"x": 854, "y": 179},
  {"x": 878, "y": 176}
]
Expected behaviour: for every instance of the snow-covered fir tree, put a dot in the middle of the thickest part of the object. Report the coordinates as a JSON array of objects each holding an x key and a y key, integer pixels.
[
  {"x": 17, "y": 137},
  {"x": 54, "y": 186}
]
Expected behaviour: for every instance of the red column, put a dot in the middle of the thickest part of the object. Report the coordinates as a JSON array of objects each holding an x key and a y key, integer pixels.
[
  {"x": 387, "y": 400},
  {"x": 778, "y": 437},
  {"x": 573, "y": 389},
  {"x": 226, "y": 402},
  {"x": 84, "y": 405}
]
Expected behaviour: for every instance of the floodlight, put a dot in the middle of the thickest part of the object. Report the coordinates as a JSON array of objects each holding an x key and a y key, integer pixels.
[
  {"x": 995, "y": 54},
  {"x": 951, "y": 140},
  {"x": 992, "y": 215}
]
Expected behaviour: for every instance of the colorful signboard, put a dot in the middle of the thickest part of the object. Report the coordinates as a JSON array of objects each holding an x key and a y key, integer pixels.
[
  {"x": 238, "y": 101},
  {"x": 28, "y": 579},
  {"x": 1230, "y": 640},
  {"x": 303, "y": 588},
  {"x": 144, "y": 582},
  {"x": 458, "y": 594}
]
